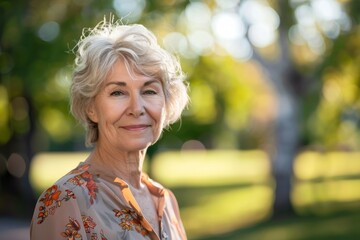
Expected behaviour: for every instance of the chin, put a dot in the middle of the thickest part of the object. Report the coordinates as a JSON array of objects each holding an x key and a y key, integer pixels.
[{"x": 137, "y": 147}]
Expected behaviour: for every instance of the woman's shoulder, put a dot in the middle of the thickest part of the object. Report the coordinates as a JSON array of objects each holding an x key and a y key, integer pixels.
[
  {"x": 63, "y": 203},
  {"x": 73, "y": 185}
]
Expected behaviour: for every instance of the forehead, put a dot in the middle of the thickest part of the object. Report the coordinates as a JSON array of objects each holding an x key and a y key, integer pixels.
[{"x": 122, "y": 75}]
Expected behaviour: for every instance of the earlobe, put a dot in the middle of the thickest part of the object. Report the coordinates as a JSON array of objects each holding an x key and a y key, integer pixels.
[{"x": 92, "y": 114}]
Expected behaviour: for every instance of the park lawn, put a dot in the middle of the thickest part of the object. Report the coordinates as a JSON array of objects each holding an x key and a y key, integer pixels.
[
  {"x": 229, "y": 195},
  {"x": 244, "y": 212},
  {"x": 217, "y": 210},
  {"x": 340, "y": 226}
]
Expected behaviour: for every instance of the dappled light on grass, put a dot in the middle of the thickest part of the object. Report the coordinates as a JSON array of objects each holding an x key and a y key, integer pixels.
[
  {"x": 46, "y": 168},
  {"x": 309, "y": 228},
  {"x": 326, "y": 196},
  {"x": 228, "y": 210},
  {"x": 240, "y": 183},
  {"x": 316, "y": 165},
  {"x": 211, "y": 168},
  {"x": 326, "y": 182}
]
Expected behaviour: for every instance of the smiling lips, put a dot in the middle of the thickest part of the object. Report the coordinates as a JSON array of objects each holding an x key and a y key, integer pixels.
[{"x": 136, "y": 127}]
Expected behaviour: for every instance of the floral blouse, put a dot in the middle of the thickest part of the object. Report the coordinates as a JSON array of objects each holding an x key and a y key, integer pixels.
[{"x": 90, "y": 204}]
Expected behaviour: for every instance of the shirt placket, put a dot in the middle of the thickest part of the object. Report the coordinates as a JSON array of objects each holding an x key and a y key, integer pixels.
[{"x": 129, "y": 197}]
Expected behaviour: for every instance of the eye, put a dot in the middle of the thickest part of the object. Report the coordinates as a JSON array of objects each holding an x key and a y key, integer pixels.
[
  {"x": 116, "y": 93},
  {"x": 150, "y": 92}
]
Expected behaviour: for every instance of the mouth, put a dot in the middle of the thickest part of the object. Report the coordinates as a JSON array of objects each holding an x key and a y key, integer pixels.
[{"x": 138, "y": 127}]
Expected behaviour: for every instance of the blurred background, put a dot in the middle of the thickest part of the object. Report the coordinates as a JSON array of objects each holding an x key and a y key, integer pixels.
[{"x": 269, "y": 147}]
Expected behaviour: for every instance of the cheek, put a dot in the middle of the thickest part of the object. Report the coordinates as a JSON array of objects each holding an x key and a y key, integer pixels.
[
  {"x": 158, "y": 112},
  {"x": 108, "y": 113}
]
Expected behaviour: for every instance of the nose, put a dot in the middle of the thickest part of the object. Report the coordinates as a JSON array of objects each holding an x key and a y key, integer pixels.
[{"x": 136, "y": 106}]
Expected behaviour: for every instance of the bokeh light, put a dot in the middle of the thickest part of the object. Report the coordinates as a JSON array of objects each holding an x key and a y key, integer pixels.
[
  {"x": 129, "y": 10},
  {"x": 316, "y": 19},
  {"x": 193, "y": 145},
  {"x": 55, "y": 123},
  {"x": 4, "y": 115},
  {"x": 49, "y": 31},
  {"x": 16, "y": 165}
]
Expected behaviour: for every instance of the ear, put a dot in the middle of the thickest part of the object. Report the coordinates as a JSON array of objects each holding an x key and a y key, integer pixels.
[{"x": 91, "y": 113}]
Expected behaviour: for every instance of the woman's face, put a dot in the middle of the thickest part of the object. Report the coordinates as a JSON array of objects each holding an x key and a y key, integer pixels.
[{"x": 130, "y": 112}]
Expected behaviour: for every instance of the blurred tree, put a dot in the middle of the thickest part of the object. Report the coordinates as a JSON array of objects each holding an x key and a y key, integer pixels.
[
  {"x": 295, "y": 71},
  {"x": 296, "y": 45},
  {"x": 289, "y": 87}
]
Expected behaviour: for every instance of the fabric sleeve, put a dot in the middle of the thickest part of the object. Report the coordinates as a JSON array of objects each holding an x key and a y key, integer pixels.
[
  {"x": 57, "y": 216},
  {"x": 175, "y": 207}
]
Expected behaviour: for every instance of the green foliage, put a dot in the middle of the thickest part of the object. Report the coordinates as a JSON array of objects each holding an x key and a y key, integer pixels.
[
  {"x": 232, "y": 106},
  {"x": 224, "y": 103},
  {"x": 336, "y": 120}
]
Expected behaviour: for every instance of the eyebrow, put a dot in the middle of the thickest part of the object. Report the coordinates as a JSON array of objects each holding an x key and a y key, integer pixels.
[{"x": 123, "y": 84}]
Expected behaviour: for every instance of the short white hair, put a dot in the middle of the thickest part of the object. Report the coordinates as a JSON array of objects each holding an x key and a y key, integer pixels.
[{"x": 97, "y": 51}]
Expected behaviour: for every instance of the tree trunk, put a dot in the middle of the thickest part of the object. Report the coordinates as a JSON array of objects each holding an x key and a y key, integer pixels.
[
  {"x": 286, "y": 82},
  {"x": 286, "y": 135}
]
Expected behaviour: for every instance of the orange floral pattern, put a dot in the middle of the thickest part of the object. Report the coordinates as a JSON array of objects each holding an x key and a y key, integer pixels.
[
  {"x": 72, "y": 230},
  {"x": 130, "y": 220},
  {"x": 51, "y": 199},
  {"x": 95, "y": 237},
  {"x": 73, "y": 227},
  {"x": 88, "y": 223},
  {"x": 51, "y": 195},
  {"x": 86, "y": 180},
  {"x": 51, "y": 202}
]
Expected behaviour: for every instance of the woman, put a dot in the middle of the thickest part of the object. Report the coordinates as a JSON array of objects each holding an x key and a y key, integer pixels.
[{"x": 125, "y": 90}]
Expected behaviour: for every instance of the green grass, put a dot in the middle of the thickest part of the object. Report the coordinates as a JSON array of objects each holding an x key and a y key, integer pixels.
[
  {"x": 244, "y": 212},
  {"x": 344, "y": 226},
  {"x": 229, "y": 195},
  {"x": 222, "y": 209}
]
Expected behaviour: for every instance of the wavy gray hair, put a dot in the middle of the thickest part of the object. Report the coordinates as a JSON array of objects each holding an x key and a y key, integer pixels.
[{"x": 97, "y": 51}]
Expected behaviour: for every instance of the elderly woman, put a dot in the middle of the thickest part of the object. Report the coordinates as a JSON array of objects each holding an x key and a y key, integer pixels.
[{"x": 125, "y": 90}]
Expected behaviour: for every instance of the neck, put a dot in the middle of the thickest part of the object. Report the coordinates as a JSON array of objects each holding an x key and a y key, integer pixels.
[{"x": 125, "y": 165}]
